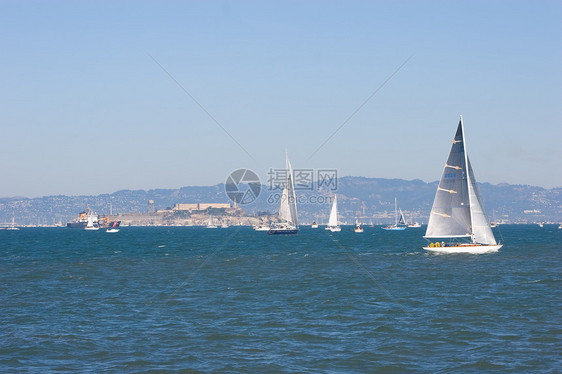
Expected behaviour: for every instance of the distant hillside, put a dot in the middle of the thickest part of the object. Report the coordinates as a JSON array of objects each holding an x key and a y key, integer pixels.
[{"x": 370, "y": 198}]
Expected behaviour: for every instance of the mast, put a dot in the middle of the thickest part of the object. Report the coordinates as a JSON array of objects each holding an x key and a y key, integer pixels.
[
  {"x": 292, "y": 196},
  {"x": 468, "y": 182}
]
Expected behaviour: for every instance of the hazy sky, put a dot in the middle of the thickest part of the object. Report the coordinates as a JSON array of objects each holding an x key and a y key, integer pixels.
[{"x": 84, "y": 109}]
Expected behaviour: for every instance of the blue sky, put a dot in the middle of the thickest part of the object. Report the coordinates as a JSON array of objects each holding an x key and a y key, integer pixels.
[{"x": 85, "y": 110}]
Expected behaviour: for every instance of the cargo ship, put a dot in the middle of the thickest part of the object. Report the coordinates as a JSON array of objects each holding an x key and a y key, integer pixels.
[{"x": 101, "y": 220}]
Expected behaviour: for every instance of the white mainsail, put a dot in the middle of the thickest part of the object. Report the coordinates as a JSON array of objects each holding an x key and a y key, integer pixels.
[
  {"x": 450, "y": 214},
  {"x": 457, "y": 209},
  {"x": 333, "y": 220},
  {"x": 288, "y": 206}
]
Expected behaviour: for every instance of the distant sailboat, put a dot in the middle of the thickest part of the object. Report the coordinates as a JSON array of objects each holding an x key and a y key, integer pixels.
[
  {"x": 494, "y": 223},
  {"x": 413, "y": 224},
  {"x": 287, "y": 208},
  {"x": 458, "y": 214},
  {"x": 333, "y": 220},
  {"x": 13, "y": 227},
  {"x": 92, "y": 222},
  {"x": 261, "y": 227},
  {"x": 211, "y": 223},
  {"x": 314, "y": 225},
  {"x": 399, "y": 223},
  {"x": 358, "y": 227}
]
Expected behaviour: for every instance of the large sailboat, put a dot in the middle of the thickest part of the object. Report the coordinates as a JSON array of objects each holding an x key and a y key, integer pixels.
[
  {"x": 287, "y": 208},
  {"x": 399, "y": 223},
  {"x": 333, "y": 220},
  {"x": 457, "y": 220}
]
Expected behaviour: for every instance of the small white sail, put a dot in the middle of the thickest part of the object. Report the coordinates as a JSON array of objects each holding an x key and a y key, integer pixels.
[
  {"x": 288, "y": 206},
  {"x": 333, "y": 220},
  {"x": 292, "y": 195},
  {"x": 284, "y": 208},
  {"x": 211, "y": 223}
]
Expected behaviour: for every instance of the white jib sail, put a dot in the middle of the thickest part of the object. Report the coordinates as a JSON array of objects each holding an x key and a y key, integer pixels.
[
  {"x": 333, "y": 220},
  {"x": 481, "y": 231}
]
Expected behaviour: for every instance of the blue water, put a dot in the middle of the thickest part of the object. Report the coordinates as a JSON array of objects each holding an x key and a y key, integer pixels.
[{"x": 238, "y": 301}]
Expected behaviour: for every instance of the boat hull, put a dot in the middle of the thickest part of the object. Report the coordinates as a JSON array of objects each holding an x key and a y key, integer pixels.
[
  {"x": 393, "y": 228},
  {"x": 82, "y": 225},
  {"x": 282, "y": 231},
  {"x": 472, "y": 249},
  {"x": 334, "y": 228}
]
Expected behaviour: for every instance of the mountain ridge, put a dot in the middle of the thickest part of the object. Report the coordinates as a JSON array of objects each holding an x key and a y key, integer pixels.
[{"x": 367, "y": 197}]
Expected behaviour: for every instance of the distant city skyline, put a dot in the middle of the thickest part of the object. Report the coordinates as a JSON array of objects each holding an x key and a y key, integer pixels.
[{"x": 102, "y": 96}]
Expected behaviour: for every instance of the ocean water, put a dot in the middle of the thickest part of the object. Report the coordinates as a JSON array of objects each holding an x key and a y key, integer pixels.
[{"x": 233, "y": 300}]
